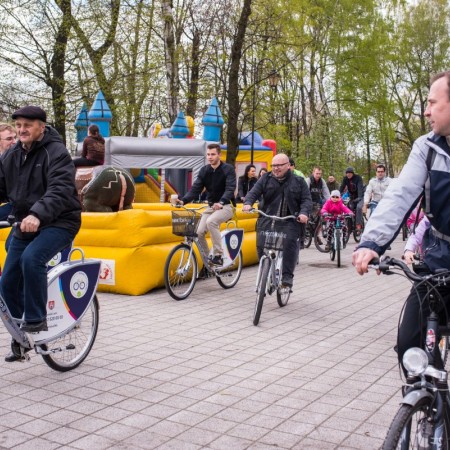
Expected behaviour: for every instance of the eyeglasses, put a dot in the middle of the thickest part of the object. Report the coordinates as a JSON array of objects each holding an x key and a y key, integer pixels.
[
  {"x": 277, "y": 166},
  {"x": 380, "y": 171},
  {"x": 335, "y": 196},
  {"x": 9, "y": 139}
]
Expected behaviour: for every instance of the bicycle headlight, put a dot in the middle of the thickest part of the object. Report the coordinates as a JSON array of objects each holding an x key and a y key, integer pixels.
[{"x": 415, "y": 361}]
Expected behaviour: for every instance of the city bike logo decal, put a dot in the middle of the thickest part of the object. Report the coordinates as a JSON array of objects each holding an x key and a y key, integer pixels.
[
  {"x": 51, "y": 304},
  {"x": 430, "y": 340},
  {"x": 234, "y": 241},
  {"x": 79, "y": 284},
  {"x": 55, "y": 260}
]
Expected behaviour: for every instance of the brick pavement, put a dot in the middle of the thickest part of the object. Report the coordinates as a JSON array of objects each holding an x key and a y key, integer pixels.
[{"x": 317, "y": 374}]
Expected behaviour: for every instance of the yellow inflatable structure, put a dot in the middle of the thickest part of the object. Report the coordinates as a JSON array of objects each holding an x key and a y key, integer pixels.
[{"x": 134, "y": 244}]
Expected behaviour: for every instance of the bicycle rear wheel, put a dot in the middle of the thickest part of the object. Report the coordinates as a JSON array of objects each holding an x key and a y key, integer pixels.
[
  {"x": 180, "y": 272},
  {"x": 412, "y": 427},
  {"x": 70, "y": 350},
  {"x": 229, "y": 276},
  {"x": 261, "y": 289},
  {"x": 283, "y": 295}
]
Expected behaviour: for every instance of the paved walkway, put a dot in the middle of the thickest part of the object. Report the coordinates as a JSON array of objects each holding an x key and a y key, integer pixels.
[{"x": 317, "y": 374}]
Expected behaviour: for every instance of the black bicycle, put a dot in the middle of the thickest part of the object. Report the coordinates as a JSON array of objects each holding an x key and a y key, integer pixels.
[
  {"x": 353, "y": 228},
  {"x": 423, "y": 420},
  {"x": 311, "y": 227}
]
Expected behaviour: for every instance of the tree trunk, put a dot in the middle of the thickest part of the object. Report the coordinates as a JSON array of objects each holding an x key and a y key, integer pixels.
[
  {"x": 171, "y": 60},
  {"x": 233, "y": 83},
  {"x": 193, "y": 85}
]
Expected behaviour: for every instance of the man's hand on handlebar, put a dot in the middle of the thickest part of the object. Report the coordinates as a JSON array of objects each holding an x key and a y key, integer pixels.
[
  {"x": 247, "y": 208},
  {"x": 302, "y": 218},
  {"x": 30, "y": 224},
  {"x": 361, "y": 259}
]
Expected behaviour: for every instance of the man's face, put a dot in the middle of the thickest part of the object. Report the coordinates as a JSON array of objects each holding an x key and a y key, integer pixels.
[
  {"x": 349, "y": 175},
  {"x": 7, "y": 140},
  {"x": 331, "y": 179},
  {"x": 280, "y": 165},
  {"x": 29, "y": 130},
  {"x": 317, "y": 174},
  {"x": 213, "y": 156},
  {"x": 380, "y": 173},
  {"x": 438, "y": 107}
]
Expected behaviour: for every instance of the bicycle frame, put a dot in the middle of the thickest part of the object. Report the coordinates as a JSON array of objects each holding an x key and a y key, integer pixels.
[
  {"x": 71, "y": 288},
  {"x": 276, "y": 261}
]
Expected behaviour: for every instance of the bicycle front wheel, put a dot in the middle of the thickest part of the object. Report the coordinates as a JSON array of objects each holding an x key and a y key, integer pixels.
[
  {"x": 357, "y": 232},
  {"x": 412, "y": 427},
  {"x": 70, "y": 350},
  {"x": 229, "y": 276},
  {"x": 261, "y": 290},
  {"x": 337, "y": 241},
  {"x": 180, "y": 272},
  {"x": 308, "y": 236}
]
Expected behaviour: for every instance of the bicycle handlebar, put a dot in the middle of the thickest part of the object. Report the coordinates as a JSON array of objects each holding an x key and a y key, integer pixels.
[
  {"x": 271, "y": 217},
  {"x": 191, "y": 209},
  {"x": 387, "y": 263}
]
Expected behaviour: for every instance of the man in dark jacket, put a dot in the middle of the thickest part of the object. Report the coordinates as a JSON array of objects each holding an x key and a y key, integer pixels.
[
  {"x": 284, "y": 194},
  {"x": 219, "y": 180},
  {"x": 355, "y": 189},
  {"x": 38, "y": 177}
]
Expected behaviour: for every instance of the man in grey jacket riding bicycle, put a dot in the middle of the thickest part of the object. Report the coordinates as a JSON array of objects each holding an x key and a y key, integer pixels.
[
  {"x": 429, "y": 160},
  {"x": 283, "y": 194}
]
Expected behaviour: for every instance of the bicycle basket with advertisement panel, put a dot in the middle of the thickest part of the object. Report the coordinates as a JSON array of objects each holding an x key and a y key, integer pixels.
[
  {"x": 185, "y": 223},
  {"x": 271, "y": 236}
]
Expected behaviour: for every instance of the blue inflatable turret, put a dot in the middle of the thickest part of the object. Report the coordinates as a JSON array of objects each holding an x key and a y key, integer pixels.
[
  {"x": 81, "y": 123},
  {"x": 179, "y": 129},
  {"x": 100, "y": 114},
  {"x": 212, "y": 122}
]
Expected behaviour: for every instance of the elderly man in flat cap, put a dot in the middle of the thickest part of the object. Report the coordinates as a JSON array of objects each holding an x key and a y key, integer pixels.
[{"x": 37, "y": 175}]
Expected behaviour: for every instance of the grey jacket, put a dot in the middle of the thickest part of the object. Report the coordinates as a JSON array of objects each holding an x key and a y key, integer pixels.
[
  {"x": 405, "y": 191},
  {"x": 375, "y": 189}
]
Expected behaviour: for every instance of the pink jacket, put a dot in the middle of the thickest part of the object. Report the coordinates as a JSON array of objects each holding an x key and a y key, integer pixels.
[
  {"x": 414, "y": 241},
  {"x": 335, "y": 208},
  {"x": 411, "y": 220}
]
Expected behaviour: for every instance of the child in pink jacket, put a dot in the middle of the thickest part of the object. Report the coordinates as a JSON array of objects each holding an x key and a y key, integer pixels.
[{"x": 332, "y": 208}]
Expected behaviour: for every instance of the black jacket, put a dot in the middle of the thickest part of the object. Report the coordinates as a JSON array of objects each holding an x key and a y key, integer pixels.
[
  {"x": 244, "y": 186},
  {"x": 355, "y": 187},
  {"x": 293, "y": 187},
  {"x": 220, "y": 184},
  {"x": 42, "y": 183}
]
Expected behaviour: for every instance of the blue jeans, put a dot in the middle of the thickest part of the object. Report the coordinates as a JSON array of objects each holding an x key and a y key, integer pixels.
[{"x": 24, "y": 278}]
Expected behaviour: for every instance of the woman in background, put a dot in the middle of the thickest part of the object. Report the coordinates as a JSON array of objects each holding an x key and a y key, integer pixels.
[{"x": 93, "y": 153}]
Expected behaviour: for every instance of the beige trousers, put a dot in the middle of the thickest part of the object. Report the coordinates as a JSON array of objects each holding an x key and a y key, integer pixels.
[{"x": 211, "y": 221}]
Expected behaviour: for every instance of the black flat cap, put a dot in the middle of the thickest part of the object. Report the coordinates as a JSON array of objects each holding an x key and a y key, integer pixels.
[{"x": 31, "y": 112}]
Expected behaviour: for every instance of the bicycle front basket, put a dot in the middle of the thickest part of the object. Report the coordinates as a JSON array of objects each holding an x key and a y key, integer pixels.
[
  {"x": 272, "y": 237},
  {"x": 185, "y": 223}
]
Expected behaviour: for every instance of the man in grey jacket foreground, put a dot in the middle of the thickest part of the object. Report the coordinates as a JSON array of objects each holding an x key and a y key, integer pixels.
[{"x": 400, "y": 199}]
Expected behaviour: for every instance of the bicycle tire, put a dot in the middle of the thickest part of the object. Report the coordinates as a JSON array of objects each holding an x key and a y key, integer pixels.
[
  {"x": 180, "y": 272},
  {"x": 349, "y": 221},
  {"x": 81, "y": 336},
  {"x": 320, "y": 240},
  {"x": 404, "y": 233},
  {"x": 338, "y": 247},
  {"x": 283, "y": 295},
  {"x": 406, "y": 419},
  {"x": 229, "y": 276},
  {"x": 261, "y": 290},
  {"x": 308, "y": 237}
]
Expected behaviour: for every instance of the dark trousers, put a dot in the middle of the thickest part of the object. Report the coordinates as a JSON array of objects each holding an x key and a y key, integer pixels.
[
  {"x": 412, "y": 329},
  {"x": 24, "y": 279},
  {"x": 84, "y": 162}
]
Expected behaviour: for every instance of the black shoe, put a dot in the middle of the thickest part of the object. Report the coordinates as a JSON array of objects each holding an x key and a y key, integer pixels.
[
  {"x": 203, "y": 274},
  {"x": 35, "y": 327},
  {"x": 217, "y": 260},
  {"x": 15, "y": 354}
]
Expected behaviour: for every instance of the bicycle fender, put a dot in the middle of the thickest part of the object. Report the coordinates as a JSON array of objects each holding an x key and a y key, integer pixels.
[{"x": 414, "y": 397}]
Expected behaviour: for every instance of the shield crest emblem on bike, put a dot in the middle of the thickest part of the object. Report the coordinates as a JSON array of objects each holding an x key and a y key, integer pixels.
[{"x": 231, "y": 244}]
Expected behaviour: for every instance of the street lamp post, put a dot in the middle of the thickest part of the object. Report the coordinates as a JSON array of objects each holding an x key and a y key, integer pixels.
[{"x": 273, "y": 78}]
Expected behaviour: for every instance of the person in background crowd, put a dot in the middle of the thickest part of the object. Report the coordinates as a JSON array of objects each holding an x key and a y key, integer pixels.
[
  {"x": 376, "y": 188},
  {"x": 93, "y": 153},
  {"x": 332, "y": 183},
  {"x": 262, "y": 171},
  {"x": 355, "y": 188},
  {"x": 246, "y": 182},
  {"x": 297, "y": 172},
  {"x": 7, "y": 137}
]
